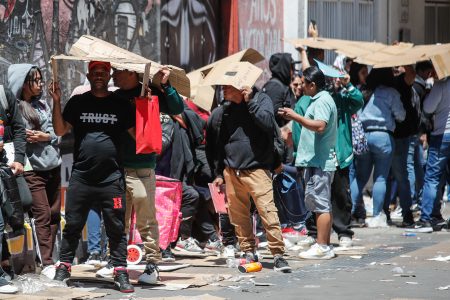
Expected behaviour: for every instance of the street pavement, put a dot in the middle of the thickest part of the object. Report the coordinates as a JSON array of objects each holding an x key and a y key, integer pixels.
[{"x": 391, "y": 266}]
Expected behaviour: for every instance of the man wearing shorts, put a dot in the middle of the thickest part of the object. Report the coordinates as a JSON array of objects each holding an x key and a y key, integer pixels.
[{"x": 316, "y": 155}]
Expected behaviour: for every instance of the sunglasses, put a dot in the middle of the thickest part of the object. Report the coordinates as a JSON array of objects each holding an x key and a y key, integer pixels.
[{"x": 38, "y": 81}]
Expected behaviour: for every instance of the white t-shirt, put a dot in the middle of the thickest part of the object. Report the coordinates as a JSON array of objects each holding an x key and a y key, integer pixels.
[{"x": 438, "y": 103}]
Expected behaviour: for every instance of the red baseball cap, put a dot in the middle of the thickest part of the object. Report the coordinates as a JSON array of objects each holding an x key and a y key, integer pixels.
[{"x": 95, "y": 63}]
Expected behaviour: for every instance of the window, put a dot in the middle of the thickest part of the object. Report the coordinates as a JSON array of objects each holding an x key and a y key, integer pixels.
[
  {"x": 343, "y": 19},
  {"x": 437, "y": 22}
]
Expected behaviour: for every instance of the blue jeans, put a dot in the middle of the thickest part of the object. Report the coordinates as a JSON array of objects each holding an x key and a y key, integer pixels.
[
  {"x": 94, "y": 228},
  {"x": 416, "y": 168},
  {"x": 379, "y": 158},
  {"x": 438, "y": 160},
  {"x": 400, "y": 174}
]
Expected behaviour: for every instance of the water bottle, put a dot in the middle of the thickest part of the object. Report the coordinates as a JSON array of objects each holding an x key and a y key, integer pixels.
[{"x": 235, "y": 262}]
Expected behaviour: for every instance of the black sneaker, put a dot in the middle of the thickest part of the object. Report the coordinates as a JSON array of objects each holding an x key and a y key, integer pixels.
[
  {"x": 122, "y": 281},
  {"x": 8, "y": 273},
  {"x": 389, "y": 220},
  {"x": 421, "y": 227},
  {"x": 150, "y": 275},
  {"x": 281, "y": 265},
  {"x": 437, "y": 223},
  {"x": 62, "y": 271},
  {"x": 167, "y": 255},
  {"x": 358, "y": 223},
  {"x": 250, "y": 257},
  {"x": 408, "y": 222}
]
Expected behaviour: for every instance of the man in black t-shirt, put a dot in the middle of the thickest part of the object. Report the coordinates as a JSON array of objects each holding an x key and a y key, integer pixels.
[{"x": 98, "y": 119}]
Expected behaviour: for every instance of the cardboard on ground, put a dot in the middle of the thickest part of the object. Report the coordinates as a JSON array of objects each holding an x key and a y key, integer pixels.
[
  {"x": 203, "y": 95},
  {"x": 237, "y": 74},
  {"x": 89, "y": 48}
]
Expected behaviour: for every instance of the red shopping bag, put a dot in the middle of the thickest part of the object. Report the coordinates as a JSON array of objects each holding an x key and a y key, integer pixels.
[{"x": 148, "y": 126}]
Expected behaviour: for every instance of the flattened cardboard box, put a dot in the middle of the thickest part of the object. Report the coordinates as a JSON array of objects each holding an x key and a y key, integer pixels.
[
  {"x": 89, "y": 48},
  {"x": 238, "y": 75},
  {"x": 203, "y": 95},
  {"x": 349, "y": 48}
]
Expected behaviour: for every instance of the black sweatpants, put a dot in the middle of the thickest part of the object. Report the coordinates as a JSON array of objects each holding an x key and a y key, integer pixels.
[
  {"x": 341, "y": 203},
  {"x": 110, "y": 197},
  {"x": 189, "y": 206},
  {"x": 227, "y": 230}
]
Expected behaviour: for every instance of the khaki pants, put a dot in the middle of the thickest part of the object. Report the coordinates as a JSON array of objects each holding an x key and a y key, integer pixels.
[
  {"x": 141, "y": 185},
  {"x": 240, "y": 186}
]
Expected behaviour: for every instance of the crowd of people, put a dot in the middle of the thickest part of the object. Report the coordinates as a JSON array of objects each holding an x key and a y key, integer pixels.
[{"x": 332, "y": 134}]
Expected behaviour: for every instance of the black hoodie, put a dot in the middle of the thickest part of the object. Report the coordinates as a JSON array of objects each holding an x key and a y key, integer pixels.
[
  {"x": 14, "y": 126},
  {"x": 278, "y": 87},
  {"x": 245, "y": 140}
]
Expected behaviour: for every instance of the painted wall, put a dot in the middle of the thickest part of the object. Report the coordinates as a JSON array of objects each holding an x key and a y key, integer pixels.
[
  {"x": 190, "y": 33},
  {"x": 30, "y": 31},
  {"x": 261, "y": 27}
]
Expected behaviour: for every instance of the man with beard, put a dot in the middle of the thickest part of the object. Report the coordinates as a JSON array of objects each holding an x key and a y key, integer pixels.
[{"x": 98, "y": 119}]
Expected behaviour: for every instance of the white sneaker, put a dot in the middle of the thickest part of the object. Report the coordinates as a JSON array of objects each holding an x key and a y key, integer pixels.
[
  {"x": 397, "y": 214},
  {"x": 95, "y": 259},
  {"x": 105, "y": 272},
  {"x": 345, "y": 242},
  {"x": 150, "y": 275},
  {"x": 189, "y": 246},
  {"x": 377, "y": 221},
  {"x": 229, "y": 252},
  {"x": 49, "y": 271},
  {"x": 318, "y": 252},
  {"x": 8, "y": 289},
  {"x": 288, "y": 244},
  {"x": 307, "y": 242}
]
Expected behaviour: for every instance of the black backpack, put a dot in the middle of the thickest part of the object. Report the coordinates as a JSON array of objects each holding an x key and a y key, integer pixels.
[{"x": 10, "y": 198}]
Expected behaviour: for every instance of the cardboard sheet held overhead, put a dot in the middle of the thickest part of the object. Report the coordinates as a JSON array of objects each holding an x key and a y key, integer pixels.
[
  {"x": 250, "y": 55},
  {"x": 203, "y": 95},
  {"x": 238, "y": 74},
  {"x": 89, "y": 48},
  {"x": 441, "y": 63},
  {"x": 351, "y": 49}
]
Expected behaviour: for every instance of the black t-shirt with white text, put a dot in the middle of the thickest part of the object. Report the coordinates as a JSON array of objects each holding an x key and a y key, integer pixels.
[{"x": 98, "y": 127}]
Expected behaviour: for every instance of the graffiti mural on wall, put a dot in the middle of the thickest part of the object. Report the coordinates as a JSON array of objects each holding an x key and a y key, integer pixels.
[
  {"x": 261, "y": 28},
  {"x": 189, "y": 32},
  {"x": 27, "y": 34}
]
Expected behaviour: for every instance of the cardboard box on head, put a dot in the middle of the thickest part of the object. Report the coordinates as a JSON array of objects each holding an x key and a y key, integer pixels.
[{"x": 237, "y": 74}]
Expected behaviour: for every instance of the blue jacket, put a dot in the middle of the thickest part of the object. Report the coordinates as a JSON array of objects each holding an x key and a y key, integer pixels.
[{"x": 382, "y": 110}]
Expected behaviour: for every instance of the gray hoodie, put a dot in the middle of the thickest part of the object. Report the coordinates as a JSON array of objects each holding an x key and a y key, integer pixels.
[{"x": 43, "y": 156}]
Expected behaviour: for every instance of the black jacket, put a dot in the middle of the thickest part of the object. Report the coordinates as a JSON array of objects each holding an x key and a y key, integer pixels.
[
  {"x": 245, "y": 135},
  {"x": 185, "y": 140},
  {"x": 212, "y": 136},
  {"x": 409, "y": 126},
  {"x": 14, "y": 126},
  {"x": 278, "y": 87}
]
